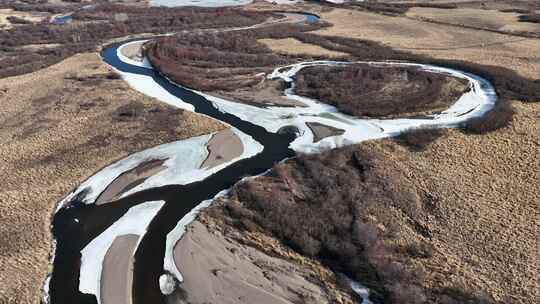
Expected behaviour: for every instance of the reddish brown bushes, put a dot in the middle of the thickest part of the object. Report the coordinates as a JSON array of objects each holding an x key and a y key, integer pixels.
[
  {"x": 371, "y": 91},
  {"x": 319, "y": 206},
  {"x": 213, "y": 61},
  {"x": 92, "y": 27}
]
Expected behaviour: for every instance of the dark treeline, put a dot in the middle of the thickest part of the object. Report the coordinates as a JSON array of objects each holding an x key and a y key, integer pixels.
[{"x": 92, "y": 27}]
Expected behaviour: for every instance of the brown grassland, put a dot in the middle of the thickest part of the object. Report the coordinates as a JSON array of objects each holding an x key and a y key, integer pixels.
[{"x": 58, "y": 128}]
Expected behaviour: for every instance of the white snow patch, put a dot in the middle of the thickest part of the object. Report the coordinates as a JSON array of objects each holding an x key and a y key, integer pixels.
[
  {"x": 145, "y": 63},
  {"x": 360, "y": 290},
  {"x": 147, "y": 86},
  {"x": 167, "y": 284},
  {"x": 135, "y": 221},
  {"x": 182, "y": 157},
  {"x": 45, "y": 288}
]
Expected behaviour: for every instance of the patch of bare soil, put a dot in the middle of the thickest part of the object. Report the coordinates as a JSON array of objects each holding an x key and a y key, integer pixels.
[
  {"x": 223, "y": 147},
  {"x": 60, "y": 125},
  {"x": 378, "y": 91},
  {"x": 133, "y": 51},
  {"x": 222, "y": 264},
  {"x": 130, "y": 179},
  {"x": 453, "y": 223},
  {"x": 117, "y": 277}
]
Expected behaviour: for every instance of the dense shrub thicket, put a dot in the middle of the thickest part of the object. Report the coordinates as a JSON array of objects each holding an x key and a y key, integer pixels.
[
  {"x": 508, "y": 83},
  {"x": 373, "y": 91},
  {"x": 332, "y": 206},
  {"x": 213, "y": 61},
  {"x": 92, "y": 27}
]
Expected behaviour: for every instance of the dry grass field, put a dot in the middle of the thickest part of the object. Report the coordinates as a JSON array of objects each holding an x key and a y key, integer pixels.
[
  {"x": 481, "y": 18},
  {"x": 486, "y": 219},
  {"x": 291, "y": 46},
  {"x": 58, "y": 128},
  {"x": 435, "y": 40}
]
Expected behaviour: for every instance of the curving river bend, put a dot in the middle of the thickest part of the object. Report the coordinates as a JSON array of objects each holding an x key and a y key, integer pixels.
[{"x": 78, "y": 222}]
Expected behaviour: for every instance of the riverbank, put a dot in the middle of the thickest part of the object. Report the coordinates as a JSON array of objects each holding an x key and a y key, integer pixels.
[
  {"x": 60, "y": 124},
  {"x": 455, "y": 222},
  {"x": 221, "y": 264}
]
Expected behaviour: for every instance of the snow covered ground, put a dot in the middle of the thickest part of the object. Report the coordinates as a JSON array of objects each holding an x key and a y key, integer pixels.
[{"x": 135, "y": 221}]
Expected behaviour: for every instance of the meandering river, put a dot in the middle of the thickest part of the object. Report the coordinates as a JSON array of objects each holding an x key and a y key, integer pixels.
[{"x": 77, "y": 223}]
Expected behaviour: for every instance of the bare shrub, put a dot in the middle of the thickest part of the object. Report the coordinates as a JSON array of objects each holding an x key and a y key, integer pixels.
[
  {"x": 418, "y": 139},
  {"x": 319, "y": 205},
  {"x": 99, "y": 24},
  {"x": 462, "y": 294},
  {"x": 419, "y": 250},
  {"x": 18, "y": 20},
  {"x": 499, "y": 117},
  {"x": 129, "y": 111},
  {"x": 409, "y": 294},
  {"x": 113, "y": 75}
]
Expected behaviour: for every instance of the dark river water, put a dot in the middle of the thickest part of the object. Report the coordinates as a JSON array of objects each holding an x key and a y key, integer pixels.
[{"x": 73, "y": 235}]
